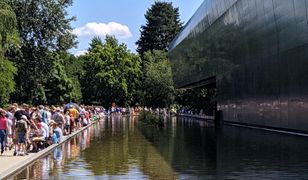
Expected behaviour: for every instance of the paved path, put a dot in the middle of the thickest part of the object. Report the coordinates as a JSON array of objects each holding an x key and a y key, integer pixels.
[{"x": 10, "y": 164}]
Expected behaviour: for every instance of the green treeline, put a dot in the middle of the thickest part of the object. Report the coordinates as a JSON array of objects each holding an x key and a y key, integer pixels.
[{"x": 37, "y": 68}]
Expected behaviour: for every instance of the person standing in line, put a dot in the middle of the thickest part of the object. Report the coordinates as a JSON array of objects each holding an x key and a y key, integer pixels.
[
  {"x": 43, "y": 114},
  {"x": 58, "y": 117},
  {"x": 10, "y": 117},
  {"x": 75, "y": 114},
  {"x": 22, "y": 133},
  {"x": 47, "y": 110},
  {"x": 3, "y": 128},
  {"x": 67, "y": 121}
]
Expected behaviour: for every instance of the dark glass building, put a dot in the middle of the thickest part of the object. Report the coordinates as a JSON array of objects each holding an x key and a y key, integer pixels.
[{"x": 256, "y": 52}]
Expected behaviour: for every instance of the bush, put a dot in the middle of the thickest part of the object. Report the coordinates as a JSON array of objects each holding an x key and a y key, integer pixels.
[{"x": 149, "y": 118}]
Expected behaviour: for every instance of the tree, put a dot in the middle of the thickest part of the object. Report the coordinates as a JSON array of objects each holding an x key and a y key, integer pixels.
[
  {"x": 61, "y": 88},
  {"x": 7, "y": 38},
  {"x": 162, "y": 25},
  {"x": 111, "y": 72},
  {"x": 158, "y": 84},
  {"x": 197, "y": 99},
  {"x": 44, "y": 30},
  {"x": 74, "y": 70}
]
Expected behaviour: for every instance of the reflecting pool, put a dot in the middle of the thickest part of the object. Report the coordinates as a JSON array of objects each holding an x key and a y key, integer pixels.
[{"x": 123, "y": 148}]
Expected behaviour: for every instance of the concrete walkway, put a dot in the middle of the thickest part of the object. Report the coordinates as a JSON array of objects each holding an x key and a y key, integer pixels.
[{"x": 10, "y": 164}]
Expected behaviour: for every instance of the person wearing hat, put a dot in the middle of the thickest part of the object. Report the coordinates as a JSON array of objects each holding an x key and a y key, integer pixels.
[
  {"x": 58, "y": 117},
  {"x": 22, "y": 131}
]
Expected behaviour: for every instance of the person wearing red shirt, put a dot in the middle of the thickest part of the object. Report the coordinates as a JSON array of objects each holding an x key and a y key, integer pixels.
[{"x": 3, "y": 128}]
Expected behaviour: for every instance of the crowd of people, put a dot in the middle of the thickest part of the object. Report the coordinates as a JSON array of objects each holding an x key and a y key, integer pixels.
[
  {"x": 29, "y": 129},
  {"x": 191, "y": 111}
]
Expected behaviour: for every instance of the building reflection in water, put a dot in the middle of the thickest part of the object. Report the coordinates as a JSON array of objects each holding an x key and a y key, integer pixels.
[{"x": 184, "y": 149}]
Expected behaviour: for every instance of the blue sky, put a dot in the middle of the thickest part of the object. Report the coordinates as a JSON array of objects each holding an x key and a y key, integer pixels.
[{"x": 121, "y": 18}]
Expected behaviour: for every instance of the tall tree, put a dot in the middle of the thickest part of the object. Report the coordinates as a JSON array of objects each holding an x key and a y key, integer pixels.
[
  {"x": 111, "y": 72},
  {"x": 44, "y": 29},
  {"x": 62, "y": 87},
  {"x": 158, "y": 84},
  {"x": 7, "y": 38},
  {"x": 73, "y": 67},
  {"x": 162, "y": 25}
]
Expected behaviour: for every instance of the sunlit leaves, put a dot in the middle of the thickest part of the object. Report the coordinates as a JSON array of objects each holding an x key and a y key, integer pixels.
[
  {"x": 44, "y": 30},
  {"x": 7, "y": 36},
  {"x": 162, "y": 25},
  {"x": 111, "y": 72},
  {"x": 158, "y": 84}
]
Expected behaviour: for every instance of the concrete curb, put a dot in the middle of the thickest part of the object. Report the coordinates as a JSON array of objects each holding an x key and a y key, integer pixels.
[
  {"x": 196, "y": 116},
  {"x": 8, "y": 172}
]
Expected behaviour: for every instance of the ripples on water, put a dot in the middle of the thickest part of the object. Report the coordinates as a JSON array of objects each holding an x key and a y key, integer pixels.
[{"x": 183, "y": 149}]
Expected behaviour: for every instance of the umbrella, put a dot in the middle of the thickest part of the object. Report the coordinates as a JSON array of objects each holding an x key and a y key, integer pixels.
[{"x": 68, "y": 105}]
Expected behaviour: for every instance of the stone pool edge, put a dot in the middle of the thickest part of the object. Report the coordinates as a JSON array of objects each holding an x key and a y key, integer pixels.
[{"x": 24, "y": 163}]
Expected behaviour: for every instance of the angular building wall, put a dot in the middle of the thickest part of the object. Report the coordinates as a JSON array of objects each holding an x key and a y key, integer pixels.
[{"x": 257, "y": 50}]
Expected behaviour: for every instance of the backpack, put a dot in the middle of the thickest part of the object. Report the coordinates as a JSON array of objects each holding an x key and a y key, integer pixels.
[{"x": 21, "y": 126}]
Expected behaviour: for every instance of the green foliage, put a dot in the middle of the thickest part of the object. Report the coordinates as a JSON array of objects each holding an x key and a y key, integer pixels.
[
  {"x": 74, "y": 70},
  {"x": 150, "y": 118},
  {"x": 111, "y": 72},
  {"x": 157, "y": 84},
  {"x": 7, "y": 23},
  {"x": 197, "y": 99},
  {"x": 162, "y": 25},
  {"x": 40, "y": 96},
  {"x": 7, "y": 85},
  {"x": 44, "y": 30},
  {"x": 60, "y": 88},
  {"x": 7, "y": 68}
]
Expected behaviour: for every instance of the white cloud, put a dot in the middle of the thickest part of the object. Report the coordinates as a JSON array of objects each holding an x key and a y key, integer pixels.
[
  {"x": 102, "y": 29},
  {"x": 79, "y": 53}
]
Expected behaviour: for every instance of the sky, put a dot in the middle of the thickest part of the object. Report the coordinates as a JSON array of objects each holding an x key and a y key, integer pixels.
[{"x": 121, "y": 18}]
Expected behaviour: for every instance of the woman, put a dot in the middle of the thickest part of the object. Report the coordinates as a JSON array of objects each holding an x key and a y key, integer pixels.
[
  {"x": 3, "y": 128},
  {"x": 9, "y": 141}
]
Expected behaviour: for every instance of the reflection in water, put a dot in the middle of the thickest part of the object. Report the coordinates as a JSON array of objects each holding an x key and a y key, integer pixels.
[{"x": 184, "y": 149}]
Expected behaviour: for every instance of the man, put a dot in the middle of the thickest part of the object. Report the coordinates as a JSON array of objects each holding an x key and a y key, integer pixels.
[
  {"x": 43, "y": 114},
  {"x": 48, "y": 112},
  {"x": 18, "y": 113},
  {"x": 22, "y": 134},
  {"x": 21, "y": 112},
  {"x": 75, "y": 114},
  {"x": 58, "y": 117}
]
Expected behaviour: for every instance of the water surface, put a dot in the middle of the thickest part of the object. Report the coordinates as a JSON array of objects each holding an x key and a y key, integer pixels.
[{"x": 123, "y": 148}]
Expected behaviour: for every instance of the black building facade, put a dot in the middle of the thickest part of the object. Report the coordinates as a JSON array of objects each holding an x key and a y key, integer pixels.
[{"x": 256, "y": 51}]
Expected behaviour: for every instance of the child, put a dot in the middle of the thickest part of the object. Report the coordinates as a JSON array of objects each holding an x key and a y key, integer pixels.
[{"x": 57, "y": 133}]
